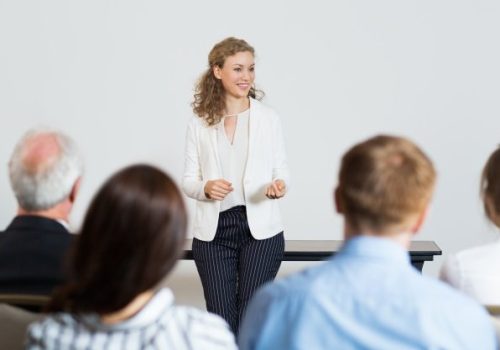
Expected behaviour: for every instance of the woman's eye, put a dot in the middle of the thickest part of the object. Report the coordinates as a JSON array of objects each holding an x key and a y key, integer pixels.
[
  {"x": 237, "y": 69},
  {"x": 252, "y": 69}
]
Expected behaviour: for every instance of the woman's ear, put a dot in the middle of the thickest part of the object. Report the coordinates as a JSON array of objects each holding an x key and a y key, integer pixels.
[
  {"x": 217, "y": 72},
  {"x": 336, "y": 200},
  {"x": 489, "y": 206}
]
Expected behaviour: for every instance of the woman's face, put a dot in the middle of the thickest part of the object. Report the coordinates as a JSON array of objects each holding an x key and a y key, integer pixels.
[{"x": 237, "y": 74}]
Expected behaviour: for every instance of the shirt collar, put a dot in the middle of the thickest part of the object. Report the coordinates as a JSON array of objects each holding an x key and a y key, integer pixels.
[
  {"x": 64, "y": 223},
  {"x": 376, "y": 247},
  {"x": 36, "y": 222},
  {"x": 154, "y": 309}
]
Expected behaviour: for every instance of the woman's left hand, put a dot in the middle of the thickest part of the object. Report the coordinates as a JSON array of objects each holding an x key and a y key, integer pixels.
[{"x": 276, "y": 189}]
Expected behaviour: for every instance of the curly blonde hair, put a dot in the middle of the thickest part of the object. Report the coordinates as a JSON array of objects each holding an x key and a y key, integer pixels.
[{"x": 209, "y": 98}]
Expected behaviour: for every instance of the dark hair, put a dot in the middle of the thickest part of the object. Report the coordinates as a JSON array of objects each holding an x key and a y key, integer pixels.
[
  {"x": 490, "y": 187},
  {"x": 132, "y": 235}
]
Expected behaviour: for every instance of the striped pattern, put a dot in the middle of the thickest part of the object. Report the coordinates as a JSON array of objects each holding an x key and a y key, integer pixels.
[
  {"x": 159, "y": 325},
  {"x": 234, "y": 265}
]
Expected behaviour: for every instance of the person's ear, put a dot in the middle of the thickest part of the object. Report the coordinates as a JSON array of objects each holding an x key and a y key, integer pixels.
[
  {"x": 489, "y": 207},
  {"x": 420, "y": 221},
  {"x": 75, "y": 190},
  {"x": 217, "y": 72},
  {"x": 336, "y": 200}
]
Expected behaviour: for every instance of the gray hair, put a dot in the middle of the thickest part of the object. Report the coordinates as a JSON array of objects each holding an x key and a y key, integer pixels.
[{"x": 48, "y": 185}]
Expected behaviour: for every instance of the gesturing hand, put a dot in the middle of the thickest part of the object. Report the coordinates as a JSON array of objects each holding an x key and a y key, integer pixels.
[
  {"x": 276, "y": 189},
  {"x": 217, "y": 189}
]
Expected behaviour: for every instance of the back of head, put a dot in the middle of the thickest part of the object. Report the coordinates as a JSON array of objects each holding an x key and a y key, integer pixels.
[
  {"x": 132, "y": 235},
  {"x": 385, "y": 183},
  {"x": 43, "y": 169},
  {"x": 490, "y": 187}
]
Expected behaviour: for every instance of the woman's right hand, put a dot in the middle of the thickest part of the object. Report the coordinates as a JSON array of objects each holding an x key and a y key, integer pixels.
[{"x": 217, "y": 189}]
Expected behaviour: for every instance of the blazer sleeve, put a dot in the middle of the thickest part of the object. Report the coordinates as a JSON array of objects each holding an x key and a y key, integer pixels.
[
  {"x": 280, "y": 164},
  {"x": 192, "y": 181}
]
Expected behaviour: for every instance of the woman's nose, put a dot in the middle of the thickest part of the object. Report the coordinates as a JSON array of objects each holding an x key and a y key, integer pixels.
[{"x": 246, "y": 75}]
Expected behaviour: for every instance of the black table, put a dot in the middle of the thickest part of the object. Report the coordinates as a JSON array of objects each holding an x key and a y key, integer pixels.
[{"x": 420, "y": 251}]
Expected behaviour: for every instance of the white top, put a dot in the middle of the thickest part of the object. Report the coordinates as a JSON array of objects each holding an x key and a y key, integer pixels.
[
  {"x": 266, "y": 162},
  {"x": 233, "y": 159},
  {"x": 159, "y": 325},
  {"x": 475, "y": 271}
]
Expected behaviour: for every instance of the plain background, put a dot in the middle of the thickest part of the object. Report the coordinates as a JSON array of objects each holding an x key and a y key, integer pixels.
[{"x": 118, "y": 77}]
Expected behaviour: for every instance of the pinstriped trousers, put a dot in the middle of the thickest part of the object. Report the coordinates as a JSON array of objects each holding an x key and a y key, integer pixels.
[{"x": 234, "y": 265}]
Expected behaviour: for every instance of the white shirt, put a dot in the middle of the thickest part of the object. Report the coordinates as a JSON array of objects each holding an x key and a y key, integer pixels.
[
  {"x": 65, "y": 224},
  {"x": 159, "y": 325},
  {"x": 233, "y": 159},
  {"x": 475, "y": 271}
]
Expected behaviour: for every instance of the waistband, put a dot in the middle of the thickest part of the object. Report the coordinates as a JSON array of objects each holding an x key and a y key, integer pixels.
[{"x": 236, "y": 209}]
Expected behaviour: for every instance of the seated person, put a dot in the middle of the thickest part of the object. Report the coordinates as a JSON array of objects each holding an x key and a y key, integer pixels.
[
  {"x": 476, "y": 271},
  {"x": 45, "y": 170},
  {"x": 132, "y": 235},
  {"x": 369, "y": 296}
]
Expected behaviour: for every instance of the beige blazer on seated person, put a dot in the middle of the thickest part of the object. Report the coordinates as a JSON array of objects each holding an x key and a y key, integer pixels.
[{"x": 13, "y": 325}]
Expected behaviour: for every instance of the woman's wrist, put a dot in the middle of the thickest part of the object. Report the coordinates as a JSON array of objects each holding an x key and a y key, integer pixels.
[{"x": 205, "y": 189}]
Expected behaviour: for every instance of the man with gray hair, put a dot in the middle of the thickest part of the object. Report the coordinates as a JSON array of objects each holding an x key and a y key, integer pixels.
[{"x": 45, "y": 170}]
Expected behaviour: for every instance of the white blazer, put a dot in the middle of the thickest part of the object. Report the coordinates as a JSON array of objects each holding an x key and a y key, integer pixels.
[{"x": 266, "y": 162}]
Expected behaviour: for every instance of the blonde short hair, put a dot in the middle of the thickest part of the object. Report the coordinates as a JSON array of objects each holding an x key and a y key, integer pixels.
[{"x": 384, "y": 182}]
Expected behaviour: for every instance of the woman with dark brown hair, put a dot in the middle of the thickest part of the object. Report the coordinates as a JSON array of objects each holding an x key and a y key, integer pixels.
[
  {"x": 132, "y": 236},
  {"x": 236, "y": 169},
  {"x": 476, "y": 271}
]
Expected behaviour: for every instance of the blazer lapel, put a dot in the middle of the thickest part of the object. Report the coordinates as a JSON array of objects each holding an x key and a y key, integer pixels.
[{"x": 253, "y": 128}]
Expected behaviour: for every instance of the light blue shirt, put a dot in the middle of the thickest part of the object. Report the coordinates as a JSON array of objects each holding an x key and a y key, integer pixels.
[{"x": 366, "y": 297}]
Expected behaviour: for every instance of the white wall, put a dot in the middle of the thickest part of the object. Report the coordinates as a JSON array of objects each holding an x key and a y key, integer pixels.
[{"x": 118, "y": 77}]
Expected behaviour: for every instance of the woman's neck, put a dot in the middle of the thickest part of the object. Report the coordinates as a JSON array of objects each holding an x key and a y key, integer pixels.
[
  {"x": 130, "y": 310},
  {"x": 235, "y": 105}
]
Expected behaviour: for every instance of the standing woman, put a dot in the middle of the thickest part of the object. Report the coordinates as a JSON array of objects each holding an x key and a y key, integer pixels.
[{"x": 235, "y": 167}]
